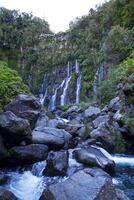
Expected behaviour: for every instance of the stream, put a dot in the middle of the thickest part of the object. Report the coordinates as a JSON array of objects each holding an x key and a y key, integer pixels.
[{"x": 28, "y": 183}]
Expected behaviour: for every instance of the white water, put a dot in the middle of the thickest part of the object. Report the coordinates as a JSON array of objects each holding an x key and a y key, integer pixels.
[
  {"x": 123, "y": 160},
  {"x": 54, "y": 97},
  {"x": 77, "y": 68},
  {"x": 43, "y": 97},
  {"x": 99, "y": 76},
  {"x": 26, "y": 185},
  {"x": 67, "y": 81}
]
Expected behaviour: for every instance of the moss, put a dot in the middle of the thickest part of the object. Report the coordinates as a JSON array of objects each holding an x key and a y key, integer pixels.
[{"x": 10, "y": 85}]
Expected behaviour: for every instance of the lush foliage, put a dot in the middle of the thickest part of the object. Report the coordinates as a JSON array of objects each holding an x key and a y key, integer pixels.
[
  {"x": 10, "y": 85},
  {"x": 104, "y": 36},
  {"x": 115, "y": 76}
]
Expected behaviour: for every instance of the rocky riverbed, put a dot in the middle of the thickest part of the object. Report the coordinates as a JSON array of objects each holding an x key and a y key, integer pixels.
[{"x": 65, "y": 156}]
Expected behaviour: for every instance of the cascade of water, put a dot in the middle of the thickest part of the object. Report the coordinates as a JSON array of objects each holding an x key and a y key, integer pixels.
[
  {"x": 53, "y": 101},
  {"x": 43, "y": 97},
  {"x": 67, "y": 81},
  {"x": 99, "y": 76},
  {"x": 26, "y": 185},
  {"x": 77, "y": 69}
]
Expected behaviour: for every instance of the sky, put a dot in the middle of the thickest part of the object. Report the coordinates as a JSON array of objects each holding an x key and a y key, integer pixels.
[{"x": 58, "y": 13}]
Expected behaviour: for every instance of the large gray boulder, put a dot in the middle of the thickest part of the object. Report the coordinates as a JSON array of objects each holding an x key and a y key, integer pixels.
[
  {"x": 104, "y": 135},
  {"x": 90, "y": 184},
  {"x": 57, "y": 163},
  {"x": 29, "y": 154},
  {"x": 6, "y": 194},
  {"x": 91, "y": 113},
  {"x": 99, "y": 120},
  {"x": 75, "y": 129},
  {"x": 26, "y": 107},
  {"x": 54, "y": 138},
  {"x": 14, "y": 129},
  {"x": 95, "y": 156}
]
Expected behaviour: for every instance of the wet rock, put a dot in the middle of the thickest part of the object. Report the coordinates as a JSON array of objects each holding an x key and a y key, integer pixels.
[
  {"x": 95, "y": 156},
  {"x": 120, "y": 195},
  {"x": 99, "y": 120},
  {"x": 88, "y": 184},
  {"x": 115, "y": 104},
  {"x": 27, "y": 154},
  {"x": 91, "y": 113},
  {"x": 6, "y": 194},
  {"x": 54, "y": 138},
  {"x": 14, "y": 129},
  {"x": 57, "y": 163},
  {"x": 26, "y": 107}
]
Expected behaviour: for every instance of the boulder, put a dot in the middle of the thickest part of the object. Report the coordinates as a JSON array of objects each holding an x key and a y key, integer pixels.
[
  {"x": 74, "y": 129},
  {"x": 95, "y": 156},
  {"x": 54, "y": 138},
  {"x": 57, "y": 163},
  {"x": 89, "y": 184},
  {"x": 6, "y": 194},
  {"x": 99, "y": 120},
  {"x": 104, "y": 135},
  {"x": 14, "y": 129},
  {"x": 44, "y": 121},
  {"x": 26, "y": 107},
  {"x": 29, "y": 154},
  {"x": 91, "y": 113},
  {"x": 115, "y": 104}
]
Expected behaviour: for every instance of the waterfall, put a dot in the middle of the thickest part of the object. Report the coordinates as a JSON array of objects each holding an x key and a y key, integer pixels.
[
  {"x": 43, "y": 97},
  {"x": 54, "y": 96},
  {"x": 43, "y": 90},
  {"x": 67, "y": 81},
  {"x": 77, "y": 68},
  {"x": 99, "y": 76}
]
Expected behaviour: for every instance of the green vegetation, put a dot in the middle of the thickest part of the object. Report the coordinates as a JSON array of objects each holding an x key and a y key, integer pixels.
[
  {"x": 10, "y": 85},
  {"x": 115, "y": 76},
  {"x": 103, "y": 37}
]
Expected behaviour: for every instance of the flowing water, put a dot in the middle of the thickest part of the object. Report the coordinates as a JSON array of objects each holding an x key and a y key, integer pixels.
[
  {"x": 77, "y": 68},
  {"x": 124, "y": 178},
  {"x": 29, "y": 183},
  {"x": 66, "y": 85}
]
